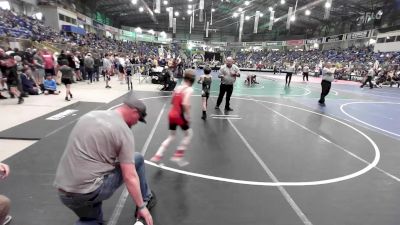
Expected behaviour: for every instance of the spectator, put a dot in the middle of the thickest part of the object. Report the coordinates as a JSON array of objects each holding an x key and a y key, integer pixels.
[
  {"x": 8, "y": 67},
  {"x": 50, "y": 86},
  {"x": 39, "y": 72},
  {"x": 85, "y": 182},
  {"x": 67, "y": 74},
  {"x": 89, "y": 67},
  {"x": 28, "y": 84},
  {"x": 49, "y": 64}
]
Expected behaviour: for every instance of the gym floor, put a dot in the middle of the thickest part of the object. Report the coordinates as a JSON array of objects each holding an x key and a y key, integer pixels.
[{"x": 277, "y": 159}]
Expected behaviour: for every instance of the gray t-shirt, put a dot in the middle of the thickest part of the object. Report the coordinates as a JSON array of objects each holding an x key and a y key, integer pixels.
[
  {"x": 227, "y": 72},
  {"x": 107, "y": 63},
  {"x": 98, "y": 142},
  {"x": 66, "y": 72},
  {"x": 89, "y": 62},
  {"x": 39, "y": 61}
]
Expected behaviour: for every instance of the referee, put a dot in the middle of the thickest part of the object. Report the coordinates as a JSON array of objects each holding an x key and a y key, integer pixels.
[{"x": 228, "y": 74}]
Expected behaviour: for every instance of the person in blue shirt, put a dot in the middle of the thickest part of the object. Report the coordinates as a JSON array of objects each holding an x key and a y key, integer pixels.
[{"x": 50, "y": 86}]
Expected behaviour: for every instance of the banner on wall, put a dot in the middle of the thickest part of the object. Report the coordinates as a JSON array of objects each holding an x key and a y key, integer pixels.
[
  {"x": 334, "y": 38},
  {"x": 98, "y": 25},
  {"x": 358, "y": 35},
  {"x": 314, "y": 41},
  {"x": 289, "y": 17},
  {"x": 294, "y": 42},
  {"x": 236, "y": 44},
  {"x": 145, "y": 37},
  {"x": 171, "y": 16},
  {"x": 273, "y": 43},
  {"x": 253, "y": 44},
  {"x": 271, "y": 20},
  {"x": 111, "y": 29},
  {"x": 218, "y": 43},
  {"x": 256, "y": 20},
  {"x": 128, "y": 33},
  {"x": 241, "y": 26}
]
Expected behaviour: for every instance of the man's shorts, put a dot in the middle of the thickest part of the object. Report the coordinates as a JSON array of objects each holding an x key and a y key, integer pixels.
[
  {"x": 205, "y": 94},
  {"x": 66, "y": 81},
  {"x": 12, "y": 81}
]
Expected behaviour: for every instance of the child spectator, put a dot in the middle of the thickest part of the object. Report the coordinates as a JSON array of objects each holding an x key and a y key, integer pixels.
[{"x": 49, "y": 85}]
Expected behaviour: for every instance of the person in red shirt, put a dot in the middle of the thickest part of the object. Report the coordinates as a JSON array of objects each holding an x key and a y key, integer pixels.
[
  {"x": 48, "y": 63},
  {"x": 179, "y": 115}
]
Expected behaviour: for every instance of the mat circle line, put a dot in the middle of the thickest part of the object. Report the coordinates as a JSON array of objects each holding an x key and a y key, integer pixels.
[
  {"x": 259, "y": 183},
  {"x": 365, "y": 123}
]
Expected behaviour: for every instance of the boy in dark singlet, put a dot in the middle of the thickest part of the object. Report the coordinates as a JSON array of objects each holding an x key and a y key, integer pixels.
[
  {"x": 179, "y": 115},
  {"x": 205, "y": 81}
]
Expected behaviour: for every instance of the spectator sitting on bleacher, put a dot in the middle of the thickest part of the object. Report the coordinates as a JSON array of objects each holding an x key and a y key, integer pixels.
[
  {"x": 28, "y": 85},
  {"x": 50, "y": 86}
]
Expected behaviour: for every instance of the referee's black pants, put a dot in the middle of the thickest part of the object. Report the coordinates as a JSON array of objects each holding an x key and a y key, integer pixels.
[
  {"x": 369, "y": 80},
  {"x": 228, "y": 88},
  {"x": 288, "y": 77},
  {"x": 326, "y": 87}
]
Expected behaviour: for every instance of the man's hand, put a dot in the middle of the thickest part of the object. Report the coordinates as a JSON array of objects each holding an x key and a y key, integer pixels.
[
  {"x": 145, "y": 214},
  {"x": 4, "y": 170}
]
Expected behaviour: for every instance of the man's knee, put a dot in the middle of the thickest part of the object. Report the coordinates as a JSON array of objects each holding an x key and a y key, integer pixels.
[{"x": 4, "y": 205}]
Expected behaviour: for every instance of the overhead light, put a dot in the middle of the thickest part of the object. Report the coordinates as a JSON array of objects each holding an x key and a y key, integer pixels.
[
  {"x": 247, "y": 17},
  {"x": 246, "y": 3},
  {"x": 212, "y": 10},
  {"x": 283, "y": 2},
  {"x": 308, "y": 12},
  {"x": 270, "y": 9},
  {"x": 138, "y": 30},
  {"x": 190, "y": 6},
  {"x": 240, "y": 9},
  {"x": 293, "y": 18},
  {"x": 151, "y": 31},
  {"x": 276, "y": 20},
  {"x": 165, "y": 2},
  {"x": 134, "y": 2},
  {"x": 328, "y": 5},
  {"x": 189, "y": 12},
  {"x": 190, "y": 0},
  {"x": 235, "y": 14},
  {"x": 176, "y": 13},
  {"x": 261, "y": 15},
  {"x": 141, "y": 9}
]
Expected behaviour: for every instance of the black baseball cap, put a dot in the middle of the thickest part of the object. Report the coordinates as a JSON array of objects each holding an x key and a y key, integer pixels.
[{"x": 137, "y": 104}]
